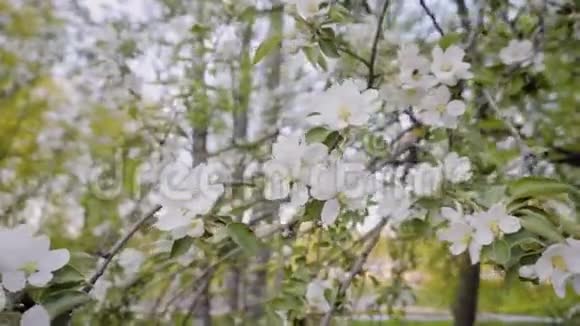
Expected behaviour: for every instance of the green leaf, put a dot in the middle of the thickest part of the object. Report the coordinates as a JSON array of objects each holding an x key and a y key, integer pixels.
[
  {"x": 537, "y": 186},
  {"x": 313, "y": 210},
  {"x": 67, "y": 274},
  {"x": 83, "y": 262},
  {"x": 317, "y": 135},
  {"x": 64, "y": 301},
  {"x": 285, "y": 303},
  {"x": 322, "y": 62},
  {"x": 499, "y": 252},
  {"x": 449, "y": 39},
  {"x": 266, "y": 47},
  {"x": 311, "y": 54},
  {"x": 333, "y": 140},
  {"x": 243, "y": 236},
  {"x": 539, "y": 224},
  {"x": 570, "y": 225},
  {"x": 328, "y": 48},
  {"x": 523, "y": 238},
  {"x": 181, "y": 246}
]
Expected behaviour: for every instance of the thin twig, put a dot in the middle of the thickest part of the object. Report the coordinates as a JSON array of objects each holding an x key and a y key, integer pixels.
[
  {"x": 477, "y": 28},
  {"x": 234, "y": 145},
  {"x": 526, "y": 153},
  {"x": 197, "y": 295},
  {"x": 354, "y": 271},
  {"x": 375, "y": 47},
  {"x": 119, "y": 245},
  {"x": 432, "y": 16},
  {"x": 463, "y": 13},
  {"x": 351, "y": 53}
]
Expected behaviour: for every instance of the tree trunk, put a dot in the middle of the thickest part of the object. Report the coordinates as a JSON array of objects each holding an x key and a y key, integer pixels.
[{"x": 465, "y": 306}]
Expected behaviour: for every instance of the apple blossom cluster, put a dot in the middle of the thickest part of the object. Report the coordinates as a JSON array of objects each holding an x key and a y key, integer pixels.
[
  {"x": 471, "y": 232},
  {"x": 424, "y": 84},
  {"x": 299, "y": 170},
  {"x": 559, "y": 265},
  {"x": 185, "y": 195},
  {"x": 26, "y": 259}
]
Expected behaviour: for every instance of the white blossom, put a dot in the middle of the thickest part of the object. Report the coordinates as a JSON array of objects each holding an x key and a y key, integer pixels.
[
  {"x": 414, "y": 68},
  {"x": 448, "y": 65},
  {"x": 315, "y": 295},
  {"x": 528, "y": 271},
  {"x": 461, "y": 234},
  {"x": 287, "y": 173},
  {"x": 494, "y": 222},
  {"x": 456, "y": 169},
  {"x": 425, "y": 179},
  {"x": 185, "y": 195},
  {"x": 558, "y": 263},
  {"x": 516, "y": 52},
  {"x": 30, "y": 259},
  {"x": 438, "y": 110},
  {"x": 339, "y": 182},
  {"x": 395, "y": 203},
  {"x": 344, "y": 104}
]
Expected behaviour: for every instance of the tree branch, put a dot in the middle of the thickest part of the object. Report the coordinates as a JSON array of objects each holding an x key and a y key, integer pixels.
[
  {"x": 119, "y": 245},
  {"x": 527, "y": 154},
  {"x": 432, "y": 16},
  {"x": 354, "y": 271},
  {"x": 375, "y": 47}
]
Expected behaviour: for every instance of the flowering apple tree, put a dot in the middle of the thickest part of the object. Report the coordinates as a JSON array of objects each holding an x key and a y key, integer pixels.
[{"x": 447, "y": 138}]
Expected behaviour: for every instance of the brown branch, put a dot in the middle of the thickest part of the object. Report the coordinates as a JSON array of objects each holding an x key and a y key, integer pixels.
[
  {"x": 119, "y": 245},
  {"x": 375, "y": 47},
  {"x": 354, "y": 271},
  {"x": 432, "y": 16}
]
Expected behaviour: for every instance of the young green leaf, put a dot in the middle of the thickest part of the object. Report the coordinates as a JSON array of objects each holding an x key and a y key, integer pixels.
[
  {"x": 243, "y": 236},
  {"x": 181, "y": 246},
  {"x": 540, "y": 225},
  {"x": 67, "y": 274},
  {"x": 64, "y": 301},
  {"x": 538, "y": 187},
  {"x": 317, "y": 135},
  {"x": 266, "y": 47}
]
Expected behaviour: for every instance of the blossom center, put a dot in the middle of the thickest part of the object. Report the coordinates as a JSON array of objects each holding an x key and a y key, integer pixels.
[
  {"x": 446, "y": 67},
  {"x": 559, "y": 263},
  {"x": 344, "y": 113},
  {"x": 441, "y": 108},
  {"x": 466, "y": 239},
  {"x": 30, "y": 267},
  {"x": 494, "y": 226}
]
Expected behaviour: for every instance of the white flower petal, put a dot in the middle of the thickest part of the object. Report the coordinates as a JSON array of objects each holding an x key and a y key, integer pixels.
[
  {"x": 35, "y": 316},
  {"x": 457, "y": 248},
  {"x": 330, "y": 212},
  {"x": 509, "y": 224},
  {"x": 197, "y": 228},
  {"x": 40, "y": 279},
  {"x": 474, "y": 252},
  {"x": 56, "y": 259},
  {"x": 456, "y": 108},
  {"x": 14, "y": 281},
  {"x": 528, "y": 271}
]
